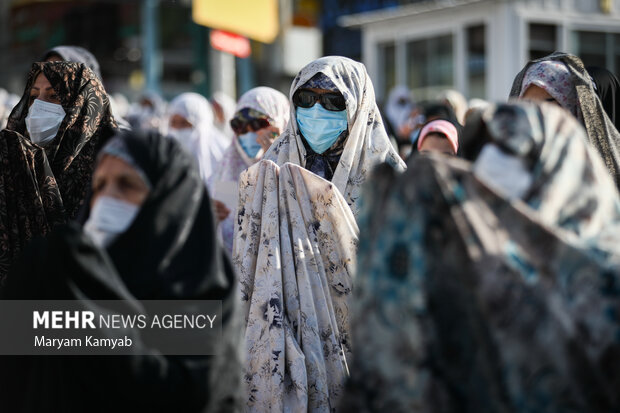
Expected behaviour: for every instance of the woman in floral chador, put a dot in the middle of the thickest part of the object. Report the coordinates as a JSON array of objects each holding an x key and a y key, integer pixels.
[{"x": 48, "y": 151}]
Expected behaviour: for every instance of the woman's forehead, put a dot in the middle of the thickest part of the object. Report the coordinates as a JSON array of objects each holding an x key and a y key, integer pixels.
[
  {"x": 41, "y": 80},
  {"x": 110, "y": 164}
]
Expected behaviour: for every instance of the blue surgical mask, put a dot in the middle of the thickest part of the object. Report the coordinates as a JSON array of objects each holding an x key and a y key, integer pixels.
[
  {"x": 321, "y": 127},
  {"x": 249, "y": 144}
]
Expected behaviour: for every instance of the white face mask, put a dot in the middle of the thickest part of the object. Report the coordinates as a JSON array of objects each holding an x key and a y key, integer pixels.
[
  {"x": 184, "y": 137},
  {"x": 504, "y": 173},
  {"x": 109, "y": 218},
  {"x": 43, "y": 120}
]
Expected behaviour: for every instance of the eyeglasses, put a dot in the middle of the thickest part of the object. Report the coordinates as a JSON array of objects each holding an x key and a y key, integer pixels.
[
  {"x": 241, "y": 126},
  {"x": 305, "y": 98}
]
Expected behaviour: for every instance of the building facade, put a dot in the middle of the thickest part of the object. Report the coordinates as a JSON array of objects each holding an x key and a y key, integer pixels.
[{"x": 478, "y": 46}]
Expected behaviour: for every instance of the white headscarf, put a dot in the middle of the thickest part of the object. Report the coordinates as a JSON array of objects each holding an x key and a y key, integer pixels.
[
  {"x": 396, "y": 112},
  {"x": 206, "y": 142},
  {"x": 234, "y": 161},
  {"x": 268, "y": 101},
  {"x": 367, "y": 144}
]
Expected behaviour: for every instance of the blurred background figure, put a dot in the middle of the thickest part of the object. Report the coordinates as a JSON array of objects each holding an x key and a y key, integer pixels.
[
  {"x": 397, "y": 111},
  {"x": 456, "y": 101},
  {"x": 439, "y": 136},
  {"x": 261, "y": 116},
  {"x": 120, "y": 108},
  {"x": 224, "y": 110},
  {"x": 148, "y": 113},
  {"x": 7, "y": 102},
  {"x": 561, "y": 79},
  {"x": 191, "y": 124},
  {"x": 424, "y": 113},
  {"x": 532, "y": 241},
  {"x": 475, "y": 105}
]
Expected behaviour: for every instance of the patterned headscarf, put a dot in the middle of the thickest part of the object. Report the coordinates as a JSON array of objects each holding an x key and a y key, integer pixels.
[
  {"x": 45, "y": 186},
  {"x": 601, "y": 133},
  {"x": 555, "y": 79},
  {"x": 367, "y": 143},
  {"x": 519, "y": 318},
  {"x": 570, "y": 189},
  {"x": 88, "y": 123}
]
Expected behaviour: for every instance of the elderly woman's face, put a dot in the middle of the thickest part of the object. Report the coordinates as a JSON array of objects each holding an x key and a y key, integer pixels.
[
  {"x": 117, "y": 179},
  {"x": 42, "y": 89}
]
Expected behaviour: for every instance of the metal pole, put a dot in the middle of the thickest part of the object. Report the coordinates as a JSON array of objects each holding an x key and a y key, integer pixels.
[{"x": 151, "y": 62}]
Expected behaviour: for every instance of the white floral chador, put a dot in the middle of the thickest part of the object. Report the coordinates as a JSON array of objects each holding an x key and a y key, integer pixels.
[{"x": 294, "y": 252}]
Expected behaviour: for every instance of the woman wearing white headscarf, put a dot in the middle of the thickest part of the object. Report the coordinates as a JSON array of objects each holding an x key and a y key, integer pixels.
[
  {"x": 397, "y": 111},
  {"x": 191, "y": 123},
  {"x": 296, "y": 238},
  {"x": 362, "y": 142},
  {"x": 260, "y": 111}
]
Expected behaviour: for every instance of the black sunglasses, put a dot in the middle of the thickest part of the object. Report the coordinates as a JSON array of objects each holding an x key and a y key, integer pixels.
[
  {"x": 240, "y": 126},
  {"x": 305, "y": 98}
]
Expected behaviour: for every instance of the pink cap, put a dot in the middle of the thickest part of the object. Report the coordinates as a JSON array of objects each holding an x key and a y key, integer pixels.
[{"x": 445, "y": 128}]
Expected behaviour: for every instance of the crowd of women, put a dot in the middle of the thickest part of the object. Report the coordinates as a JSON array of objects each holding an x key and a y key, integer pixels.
[{"x": 433, "y": 256}]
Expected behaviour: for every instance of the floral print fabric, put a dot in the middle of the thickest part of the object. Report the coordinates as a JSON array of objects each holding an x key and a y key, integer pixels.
[
  {"x": 468, "y": 302},
  {"x": 555, "y": 79},
  {"x": 601, "y": 132},
  {"x": 367, "y": 144},
  {"x": 294, "y": 252},
  {"x": 571, "y": 188},
  {"x": 30, "y": 201},
  {"x": 44, "y": 186},
  {"x": 88, "y": 123}
]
